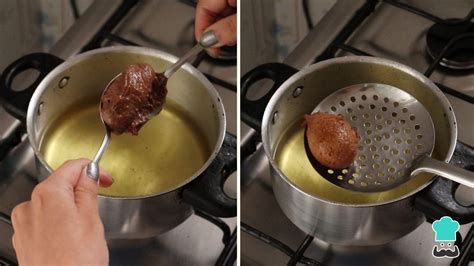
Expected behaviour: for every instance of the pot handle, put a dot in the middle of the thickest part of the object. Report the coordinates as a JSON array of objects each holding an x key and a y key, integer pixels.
[
  {"x": 16, "y": 102},
  {"x": 206, "y": 192},
  {"x": 252, "y": 110},
  {"x": 438, "y": 199}
]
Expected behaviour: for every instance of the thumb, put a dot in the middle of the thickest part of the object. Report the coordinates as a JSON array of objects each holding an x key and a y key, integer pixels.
[
  {"x": 72, "y": 175},
  {"x": 85, "y": 192},
  {"x": 86, "y": 189}
]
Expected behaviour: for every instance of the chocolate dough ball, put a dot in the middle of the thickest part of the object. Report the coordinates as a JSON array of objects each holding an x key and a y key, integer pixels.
[{"x": 133, "y": 98}]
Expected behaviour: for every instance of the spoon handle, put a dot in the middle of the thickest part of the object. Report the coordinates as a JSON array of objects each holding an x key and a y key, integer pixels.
[
  {"x": 92, "y": 169},
  {"x": 208, "y": 39}
]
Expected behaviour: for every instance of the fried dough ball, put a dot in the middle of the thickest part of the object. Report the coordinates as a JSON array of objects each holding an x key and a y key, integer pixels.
[{"x": 331, "y": 139}]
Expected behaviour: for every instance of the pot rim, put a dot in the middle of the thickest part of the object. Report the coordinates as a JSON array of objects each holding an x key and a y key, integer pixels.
[
  {"x": 133, "y": 50},
  {"x": 354, "y": 59}
]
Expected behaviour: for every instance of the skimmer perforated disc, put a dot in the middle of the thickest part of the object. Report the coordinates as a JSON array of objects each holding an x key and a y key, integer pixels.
[{"x": 394, "y": 129}]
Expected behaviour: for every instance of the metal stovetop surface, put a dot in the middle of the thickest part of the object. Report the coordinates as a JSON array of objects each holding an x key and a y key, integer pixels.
[
  {"x": 164, "y": 25},
  {"x": 390, "y": 33}
]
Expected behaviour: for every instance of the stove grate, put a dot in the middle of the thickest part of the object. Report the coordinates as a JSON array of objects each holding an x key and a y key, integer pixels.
[
  {"x": 5, "y": 262},
  {"x": 295, "y": 256},
  {"x": 217, "y": 222},
  {"x": 11, "y": 141},
  {"x": 466, "y": 249},
  {"x": 367, "y": 9}
]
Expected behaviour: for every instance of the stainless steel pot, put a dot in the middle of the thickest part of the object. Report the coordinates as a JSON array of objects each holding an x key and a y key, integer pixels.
[
  {"x": 62, "y": 85},
  {"x": 312, "y": 203}
]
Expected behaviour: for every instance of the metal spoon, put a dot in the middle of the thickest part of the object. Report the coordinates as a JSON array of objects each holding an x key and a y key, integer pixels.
[{"x": 208, "y": 39}]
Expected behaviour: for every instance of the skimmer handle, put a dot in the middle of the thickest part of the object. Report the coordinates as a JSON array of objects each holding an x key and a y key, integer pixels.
[{"x": 457, "y": 174}]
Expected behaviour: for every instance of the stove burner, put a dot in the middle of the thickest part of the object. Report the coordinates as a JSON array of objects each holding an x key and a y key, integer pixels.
[{"x": 461, "y": 54}]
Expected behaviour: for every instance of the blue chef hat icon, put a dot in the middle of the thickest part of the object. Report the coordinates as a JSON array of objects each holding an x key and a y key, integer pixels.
[{"x": 445, "y": 229}]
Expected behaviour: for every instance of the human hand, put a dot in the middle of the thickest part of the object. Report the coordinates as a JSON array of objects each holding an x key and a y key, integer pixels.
[
  {"x": 220, "y": 17},
  {"x": 60, "y": 225}
]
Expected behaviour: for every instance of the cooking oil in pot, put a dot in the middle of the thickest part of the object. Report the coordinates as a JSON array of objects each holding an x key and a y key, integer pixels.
[
  {"x": 292, "y": 160},
  {"x": 169, "y": 149}
]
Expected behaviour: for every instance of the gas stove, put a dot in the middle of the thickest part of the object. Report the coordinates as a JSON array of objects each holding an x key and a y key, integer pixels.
[
  {"x": 404, "y": 31},
  {"x": 163, "y": 25}
]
